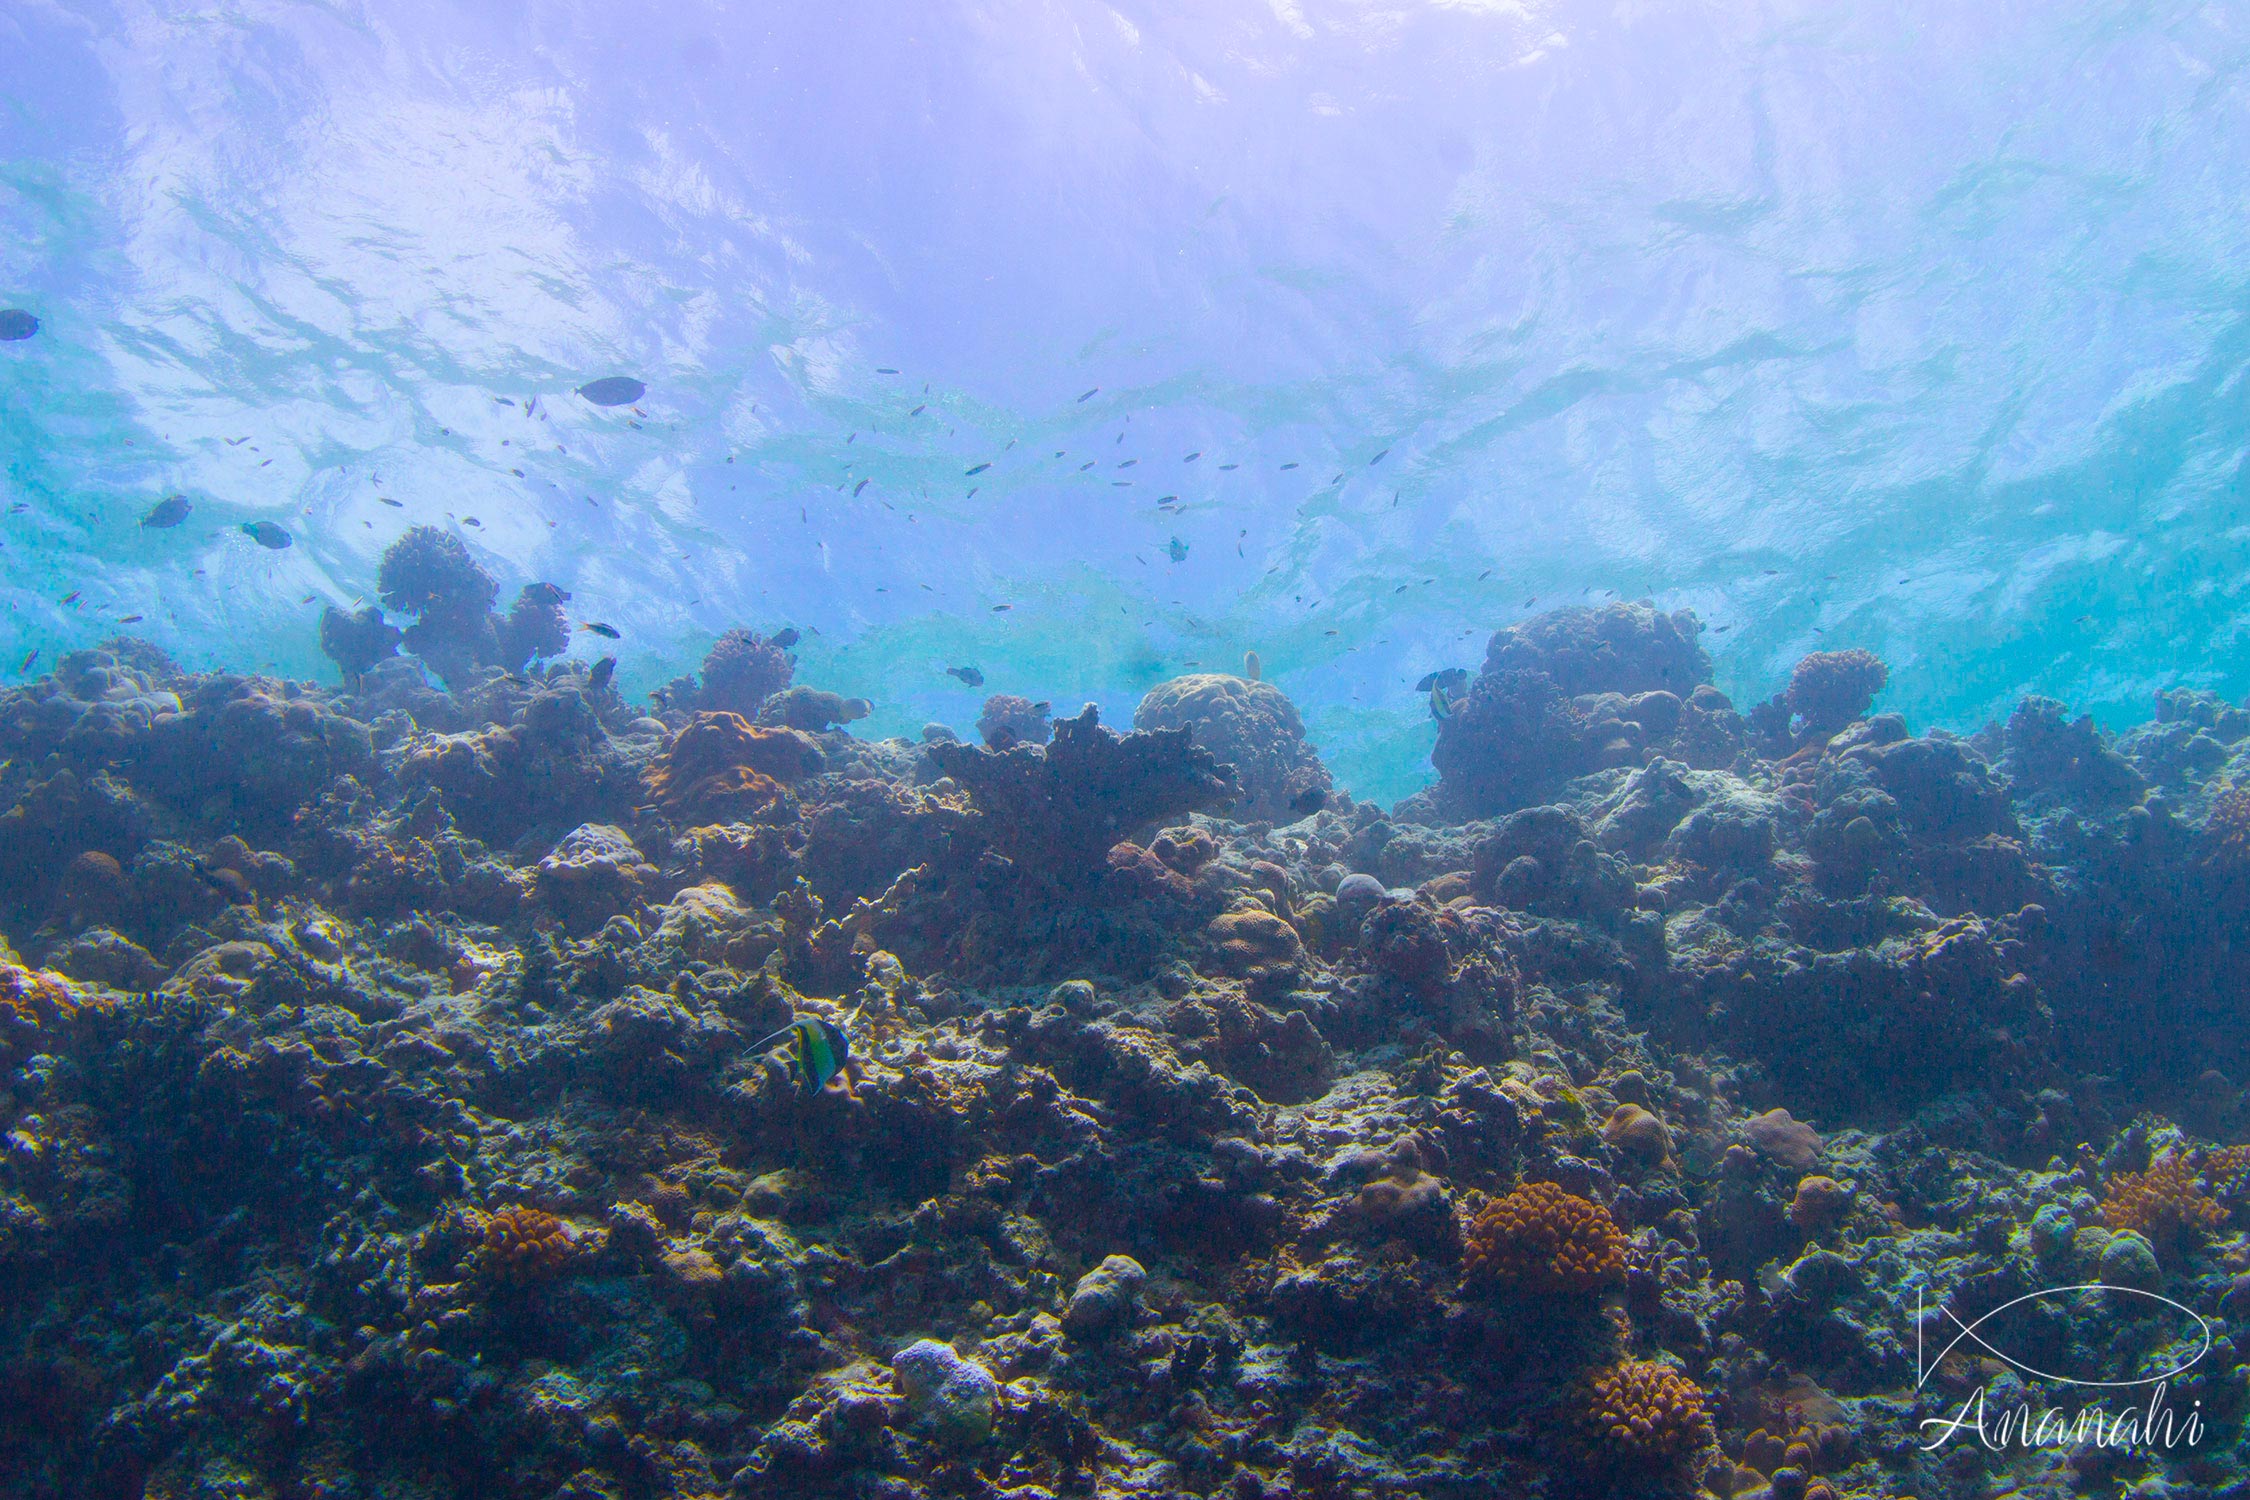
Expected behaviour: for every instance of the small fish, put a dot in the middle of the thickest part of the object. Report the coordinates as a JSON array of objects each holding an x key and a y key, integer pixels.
[
  {"x": 1285, "y": 468},
  {"x": 918, "y": 411},
  {"x": 1088, "y": 464},
  {"x": 856, "y": 709},
  {"x": 237, "y": 442},
  {"x": 1042, "y": 706},
  {"x": 1378, "y": 458},
  {"x": 603, "y": 671},
  {"x": 606, "y": 632},
  {"x": 1090, "y": 395},
  {"x": 1128, "y": 463},
  {"x": 268, "y": 535},
  {"x": 28, "y": 658},
  {"x": 129, "y": 619},
  {"x": 1441, "y": 707},
  {"x": 505, "y": 400},
  {"x": 613, "y": 390},
  {"x": 72, "y": 596},
  {"x": 819, "y": 1050},
  {"x": 309, "y": 598},
  {"x": 472, "y": 521},
  {"x": 17, "y": 324},
  {"x": 1001, "y": 609},
  {"x": 1176, "y": 550},
  {"x": 859, "y": 486},
  {"x": 969, "y": 675},
  {"x": 1192, "y": 457},
  {"x": 1251, "y": 666},
  {"x": 401, "y": 504},
  {"x": 1308, "y": 801},
  {"x": 979, "y": 469},
  {"x": 167, "y": 513},
  {"x": 1452, "y": 679},
  {"x": 1224, "y": 467},
  {"x": 785, "y": 637},
  {"x": 885, "y": 370}
]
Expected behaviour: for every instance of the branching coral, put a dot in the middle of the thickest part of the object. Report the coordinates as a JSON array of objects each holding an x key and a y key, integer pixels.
[
  {"x": 1647, "y": 1415},
  {"x": 2161, "y": 1203},
  {"x": 721, "y": 765},
  {"x": 522, "y": 1244},
  {"x": 1543, "y": 1240}
]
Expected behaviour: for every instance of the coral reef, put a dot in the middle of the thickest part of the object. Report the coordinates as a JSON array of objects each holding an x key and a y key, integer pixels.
[{"x": 380, "y": 1113}]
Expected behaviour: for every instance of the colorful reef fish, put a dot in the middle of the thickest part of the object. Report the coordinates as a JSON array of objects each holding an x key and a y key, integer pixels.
[{"x": 818, "y": 1049}]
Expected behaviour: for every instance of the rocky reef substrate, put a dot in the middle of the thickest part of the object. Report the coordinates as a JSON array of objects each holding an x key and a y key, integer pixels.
[{"x": 379, "y": 1115}]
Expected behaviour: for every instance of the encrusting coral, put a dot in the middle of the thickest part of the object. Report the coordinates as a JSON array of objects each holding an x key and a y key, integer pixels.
[{"x": 720, "y": 765}]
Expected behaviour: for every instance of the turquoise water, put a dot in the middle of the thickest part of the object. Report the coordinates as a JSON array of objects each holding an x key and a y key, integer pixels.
[{"x": 1918, "y": 327}]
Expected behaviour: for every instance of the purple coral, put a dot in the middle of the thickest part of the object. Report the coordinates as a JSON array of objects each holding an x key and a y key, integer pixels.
[
  {"x": 742, "y": 671},
  {"x": 1829, "y": 689},
  {"x": 429, "y": 572}
]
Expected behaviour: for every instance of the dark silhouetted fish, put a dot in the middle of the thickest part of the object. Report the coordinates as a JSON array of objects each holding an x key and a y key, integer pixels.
[
  {"x": 167, "y": 513},
  {"x": 613, "y": 390},
  {"x": 979, "y": 469},
  {"x": 1192, "y": 457},
  {"x": 969, "y": 675},
  {"x": 1310, "y": 800},
  {"x": 267, "y": 534},
  {"x": 859, "y": 486},
  {"x": 606, "y": 632},
  {"x": 130, "y": 619},
  {"x": 1378, "y": 458},
  {"x": 1001, "y": 609},
  {"x": 1452, "y": 679},
  {"x": 16, "y": 324},
  {"x": 393, "y": 504},
  {"x": 1176, "y": 549},
  {"x": 885, "y": 370},
  {"x": 786, "y": 637},
  {"x": 28, "y": 658},
  {"x": 1090, "y": 395},
  {"x": 603, "y": 671},
  {"x": 1224, "y": 467},
  {"x": 71, "y": 597}
]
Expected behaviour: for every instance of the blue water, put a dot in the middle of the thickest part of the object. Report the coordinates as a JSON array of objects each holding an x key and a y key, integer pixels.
[{"x": 1917, "y": 326}]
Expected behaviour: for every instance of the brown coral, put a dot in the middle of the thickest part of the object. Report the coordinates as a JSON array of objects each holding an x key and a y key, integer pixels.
[
  {"x": 2228, "y": 830},
  {"x": 2160, "y": 1203},
  {"x": 723, "y": 765},
  {"x": 1645, "y": 1414},
  {"x": 530, "y": 1244},
  {"x": 1541, "y": 1239}
]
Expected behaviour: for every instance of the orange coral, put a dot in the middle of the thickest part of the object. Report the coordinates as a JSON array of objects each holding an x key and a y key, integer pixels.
[
  {"x": 1542, "y": 1239},
  {"x": 2160, "y": 1202},
  {"x": 529, "y": 1244},
  {"x": 2226, "y": 1171},
  {"x": 1648, "y": 1414},
  {"x": 723, "y": 763}
]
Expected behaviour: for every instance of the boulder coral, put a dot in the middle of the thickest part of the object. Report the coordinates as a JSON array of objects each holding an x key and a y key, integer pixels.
[
  {"x": 721, "y": 765},
  {"x": 1251, "y": 726}
]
